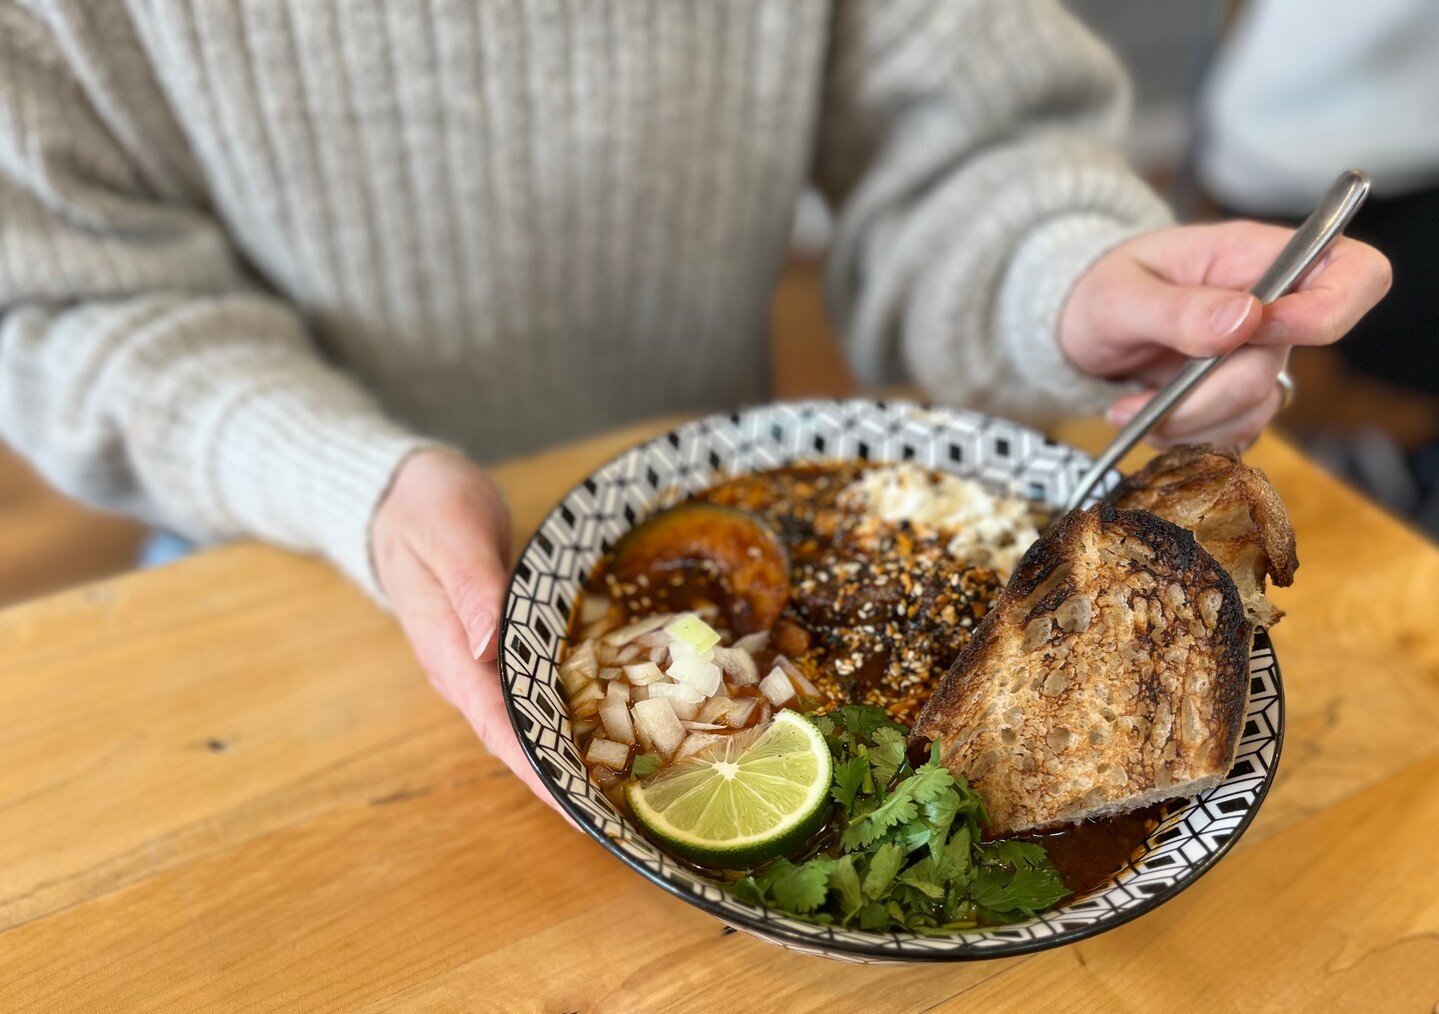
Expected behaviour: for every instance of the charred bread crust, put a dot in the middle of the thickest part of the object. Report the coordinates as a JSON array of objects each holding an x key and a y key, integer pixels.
[
  {"x": 967, "y": 671},
  {"x": 1010, "y": 717},
  {"x": 1190, "y": 470}
]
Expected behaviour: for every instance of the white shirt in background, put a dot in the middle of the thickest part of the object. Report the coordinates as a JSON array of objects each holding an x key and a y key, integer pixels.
[{"x": 1306, "y": 88}]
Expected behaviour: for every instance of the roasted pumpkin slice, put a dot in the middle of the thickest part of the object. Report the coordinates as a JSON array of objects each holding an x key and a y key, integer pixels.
[{"x": 733, "y": 552}]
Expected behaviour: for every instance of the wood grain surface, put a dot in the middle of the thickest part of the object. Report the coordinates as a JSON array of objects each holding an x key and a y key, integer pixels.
[
  {"x": 49, "y": 542},
  {"x": 225, "y": 785}
]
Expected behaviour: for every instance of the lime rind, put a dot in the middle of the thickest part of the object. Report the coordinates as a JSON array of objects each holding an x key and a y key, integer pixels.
[{"x": 774, "y": 795}]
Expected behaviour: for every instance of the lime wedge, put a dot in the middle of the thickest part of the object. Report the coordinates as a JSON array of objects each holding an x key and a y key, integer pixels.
[{"x": 744, "y": 800}]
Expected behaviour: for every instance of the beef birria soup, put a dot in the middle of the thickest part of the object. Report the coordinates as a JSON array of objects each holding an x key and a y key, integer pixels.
[{"x": 742, "y": 670}]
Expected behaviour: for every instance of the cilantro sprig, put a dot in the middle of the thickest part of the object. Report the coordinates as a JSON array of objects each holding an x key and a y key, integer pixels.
[{"x": 909, "y": 854}]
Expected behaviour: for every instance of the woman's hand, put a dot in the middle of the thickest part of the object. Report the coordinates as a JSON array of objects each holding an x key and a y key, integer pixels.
[
  {"x": 1151, "y": 303},
  {"x": 440, "y": 541}
]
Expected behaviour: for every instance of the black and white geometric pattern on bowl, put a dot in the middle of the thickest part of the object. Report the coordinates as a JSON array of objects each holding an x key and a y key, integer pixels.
[{"x": 570, "y": 541}]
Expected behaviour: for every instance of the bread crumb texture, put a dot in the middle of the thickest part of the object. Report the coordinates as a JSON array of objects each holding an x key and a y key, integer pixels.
[{"x": 1112, "y": 674}]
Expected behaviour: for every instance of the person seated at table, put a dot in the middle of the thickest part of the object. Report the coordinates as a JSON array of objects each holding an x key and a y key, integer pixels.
[{"x": 289, "y": 270}]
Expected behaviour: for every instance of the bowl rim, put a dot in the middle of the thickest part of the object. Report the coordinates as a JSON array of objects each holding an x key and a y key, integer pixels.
[{"x": 878, "y": 951}]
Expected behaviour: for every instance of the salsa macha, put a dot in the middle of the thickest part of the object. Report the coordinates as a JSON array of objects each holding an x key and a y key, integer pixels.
[{"x": 808, "y": 588}]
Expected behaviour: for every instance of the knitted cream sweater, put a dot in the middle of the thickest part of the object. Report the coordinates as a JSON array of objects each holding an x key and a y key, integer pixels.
[{"x": 254, "y": 251}]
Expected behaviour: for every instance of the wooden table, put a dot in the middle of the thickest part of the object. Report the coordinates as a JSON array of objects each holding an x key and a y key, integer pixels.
[{"x": 225, "y": 784}]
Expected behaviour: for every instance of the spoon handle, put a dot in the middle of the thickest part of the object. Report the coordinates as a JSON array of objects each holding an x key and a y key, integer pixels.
[{"x": 1306, "y": 246}]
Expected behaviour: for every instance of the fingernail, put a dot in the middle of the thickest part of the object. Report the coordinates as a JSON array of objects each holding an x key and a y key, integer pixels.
[
  {"x": 482, "y": 630},
  {"x": 1229, "y": 314},
  {"x": 1120, "y": 416}
]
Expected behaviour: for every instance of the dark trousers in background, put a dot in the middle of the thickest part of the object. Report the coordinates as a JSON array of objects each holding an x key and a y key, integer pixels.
[{"x": 1399, "y": 339}]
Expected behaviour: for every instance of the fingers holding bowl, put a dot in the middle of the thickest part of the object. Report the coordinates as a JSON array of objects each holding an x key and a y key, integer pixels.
[{"x": 472, "y": 687}]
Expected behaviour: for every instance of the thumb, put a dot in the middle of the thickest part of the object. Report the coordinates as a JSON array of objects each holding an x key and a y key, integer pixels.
[{"x": 1194, "y": 320}]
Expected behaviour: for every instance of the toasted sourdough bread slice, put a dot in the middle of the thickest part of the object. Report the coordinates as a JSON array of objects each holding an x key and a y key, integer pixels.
[
  {"x": 1111, "y": 674},
  {"x": 1232, "y": 510}
]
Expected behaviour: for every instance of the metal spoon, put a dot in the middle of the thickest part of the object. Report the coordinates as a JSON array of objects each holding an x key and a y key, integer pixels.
[{"x": 1309, "y": 242}]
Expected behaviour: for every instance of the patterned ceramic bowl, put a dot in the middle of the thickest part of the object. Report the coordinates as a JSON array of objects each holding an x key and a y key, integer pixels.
[{"x": 550, "y": 573}]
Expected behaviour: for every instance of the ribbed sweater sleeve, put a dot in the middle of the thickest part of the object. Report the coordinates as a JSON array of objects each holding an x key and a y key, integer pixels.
[
  {"x": 970, "y": 149},
  {"x": 139, "y": 367}
]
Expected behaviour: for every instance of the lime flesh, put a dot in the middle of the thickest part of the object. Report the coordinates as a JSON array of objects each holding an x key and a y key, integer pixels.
[{"x": 742, "y": 801}]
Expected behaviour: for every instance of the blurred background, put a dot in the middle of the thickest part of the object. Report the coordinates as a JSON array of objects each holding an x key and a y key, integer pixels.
[{"x": 1242, "y": 108}]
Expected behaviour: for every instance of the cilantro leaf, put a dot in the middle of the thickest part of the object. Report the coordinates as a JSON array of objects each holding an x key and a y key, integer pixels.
[
  {"x": 939, "y": 813},
  {"x": 901, "y": 806},
  {"x": 847, "y": 780},
  {"x": 929, "y": 783},
  {"x": 644, "y": 765},
  {"x": 914, "y": 835},
  {"x": 956, "y": 858},
  {"x": 910, "y": 855},
  {"x": 1019, "y": 854},
  {"x": 749, "y": 889},
  {"x": 845, "y": 881},
  {"x": 887, "y": 754},
  {"x": 915, "y": 902},
  {"x": 802, "y": 888},
  {"x": 1022, "y": 891},
  {"x": 886, "y": 862},
  {"x": 862, "y": 721},
  {"x": 971, "y": 805},
  {"x": 926, "y": 877},
  {"x": 873, "y": 916},
  {"x": 898, "y": 808}
]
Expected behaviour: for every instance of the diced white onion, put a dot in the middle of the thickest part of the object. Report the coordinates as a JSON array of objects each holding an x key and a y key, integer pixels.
[
  {"x": 605, "y": 777},
  {"x": 802, "y": 686},
  {"x": 586, "y": 701},
  {"x": 583, "y": 726},
  {"x": 611, "y": 755},
  {"x": 618, "y": 726},
  {"x": 598, "y": 629},
  {"x": 684, "y": 710},
  {"x": 642, "y": 733},
  {"x": 641, "y": 673},
  {"x": 633, "y": 631},
  {"x": 687, "y": 628},
  {"x": 714, "y": 709},
  {"x": 640, "y": 693},
  {"x": 617, "y": 690},
  {"x": 686, "y": 666},
  {"x": 738, "y": 665},
  {"x": 777, "y": 688},
  {"x": 581, "y": 658},
  {"x": 695, "y": 742},
  {"x": 677, "y": 692},
  {"x": 579, "y": 668},
  {"x": 701, "y": 726},
  {"x": 753, "y": 643},
  {"x": 629, "y": 653},
  {"x": 612, "y": 673},
  {"x": 740, "y": 712},
  {"x": 655, "y": 721},
  {"x": 685, "y": 700},
  {"x": 788, "y": 667},
  {"x": 594, "y": 608},
  {"x": 615, "y": 714}
]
